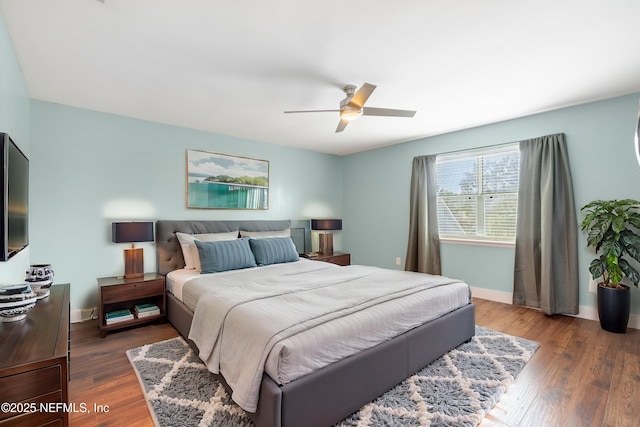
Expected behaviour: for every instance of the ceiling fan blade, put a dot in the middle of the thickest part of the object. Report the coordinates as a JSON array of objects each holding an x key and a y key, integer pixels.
[
  {"x": 341, "y": 125},
  {"x": 361, "y": 95},
  {"x": 312, "y": 111},
  {"x": 372, "y": 111}
]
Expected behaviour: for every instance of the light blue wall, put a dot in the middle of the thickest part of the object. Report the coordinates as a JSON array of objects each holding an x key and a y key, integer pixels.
[
  {"x": 376, "y": 187},
  {"x": 90, "y": 168},
  {"x": 14, "y": 120}
]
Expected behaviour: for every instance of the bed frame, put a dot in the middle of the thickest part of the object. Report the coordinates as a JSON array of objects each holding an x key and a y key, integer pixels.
[{"x": 328, "y": 395}]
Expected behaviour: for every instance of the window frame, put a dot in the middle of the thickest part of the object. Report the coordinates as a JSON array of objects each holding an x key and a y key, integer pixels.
[{"x": 480, "y": 196}]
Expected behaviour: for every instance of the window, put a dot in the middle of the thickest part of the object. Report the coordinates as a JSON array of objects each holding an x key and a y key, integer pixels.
[{"x": 477, "y": 194}]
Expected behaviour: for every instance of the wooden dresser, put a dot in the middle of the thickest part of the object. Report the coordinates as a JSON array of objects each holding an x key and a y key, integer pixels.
[{"x": 34, "y": 364}]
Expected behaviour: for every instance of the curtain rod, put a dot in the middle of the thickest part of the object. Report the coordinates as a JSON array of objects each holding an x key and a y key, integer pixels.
[{"x": 466, "y": 150}]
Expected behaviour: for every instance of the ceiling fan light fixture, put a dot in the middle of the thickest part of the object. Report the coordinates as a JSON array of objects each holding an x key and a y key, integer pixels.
[
  {"x": 350, "y": 114},
  {"x": 352, "y": 107}
]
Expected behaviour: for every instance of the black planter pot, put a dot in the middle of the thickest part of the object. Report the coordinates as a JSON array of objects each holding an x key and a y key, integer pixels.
[{"x": 614, "y": 306}]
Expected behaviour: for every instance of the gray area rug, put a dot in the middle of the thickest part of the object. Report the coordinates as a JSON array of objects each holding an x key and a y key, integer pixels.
[{"x": 457, "y": 389}]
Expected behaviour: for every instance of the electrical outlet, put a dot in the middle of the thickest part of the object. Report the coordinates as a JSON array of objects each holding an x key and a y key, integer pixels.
[{"x": 398, "y": 261}]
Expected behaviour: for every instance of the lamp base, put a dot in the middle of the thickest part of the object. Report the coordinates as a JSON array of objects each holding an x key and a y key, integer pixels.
[
  {"x": 133, "y": 263},
  {"x": 326, "y": 244}
]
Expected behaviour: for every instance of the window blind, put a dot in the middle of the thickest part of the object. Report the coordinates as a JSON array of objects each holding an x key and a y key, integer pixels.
[{"x": 477, "y": 194}]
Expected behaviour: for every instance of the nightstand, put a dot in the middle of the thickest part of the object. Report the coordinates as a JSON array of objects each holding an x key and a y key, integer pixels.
[
  {"x": 339, "y": 258},
  {"x": 117, "y": 293}
]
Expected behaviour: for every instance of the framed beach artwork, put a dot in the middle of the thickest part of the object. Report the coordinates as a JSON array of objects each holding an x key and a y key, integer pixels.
[{"x": 221, "y": 181}]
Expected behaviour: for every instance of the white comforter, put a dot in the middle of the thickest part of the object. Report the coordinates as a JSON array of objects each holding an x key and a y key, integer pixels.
[{"x": 242, "y": 318}]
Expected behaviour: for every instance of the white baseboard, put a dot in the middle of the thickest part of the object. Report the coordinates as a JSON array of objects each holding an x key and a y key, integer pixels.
[
  {"x": 591, "y": 313},
  {"x": 584, "y": 312},
  {"x": 77, "y": 316},
  {"x": 497, "y": 296}
]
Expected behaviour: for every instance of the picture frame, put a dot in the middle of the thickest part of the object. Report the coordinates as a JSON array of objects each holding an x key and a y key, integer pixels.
[{"x": 223, "y": 181}]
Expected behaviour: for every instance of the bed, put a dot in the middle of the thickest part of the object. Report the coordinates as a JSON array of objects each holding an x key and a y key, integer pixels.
[{"x": 325, "y": 394}]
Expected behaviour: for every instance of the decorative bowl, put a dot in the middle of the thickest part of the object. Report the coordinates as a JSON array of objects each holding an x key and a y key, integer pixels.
[
  {"x": 13, "y": 314},
  {"x": 12, "y": 311},
  {"x": 6, "y": 290},
  {"x": 16, "y": 302}
]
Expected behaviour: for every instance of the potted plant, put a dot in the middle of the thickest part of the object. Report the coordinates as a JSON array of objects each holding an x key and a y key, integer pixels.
[{"x": 612, "y": 229}]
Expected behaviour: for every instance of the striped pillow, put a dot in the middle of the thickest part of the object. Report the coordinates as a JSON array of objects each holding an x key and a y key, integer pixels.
[
  {"x": 190, "y": 251},
  {"x": 273, "y": 250},
  {"x": 225, "y": 255}
]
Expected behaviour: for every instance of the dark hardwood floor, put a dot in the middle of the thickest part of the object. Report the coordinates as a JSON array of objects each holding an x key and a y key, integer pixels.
[
  {"x": 102, "y": 375},
  {"x": 580, "y": 375}
]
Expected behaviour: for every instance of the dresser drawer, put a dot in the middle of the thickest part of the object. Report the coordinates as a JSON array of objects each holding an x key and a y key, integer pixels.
[
  {"x": 36, "y": 387},
  {"x": 35, "y": 419},
  {"x": 50, "y": 403},
  {"x": 28, "y": 385},
  {"x": 131, "y": 291}
]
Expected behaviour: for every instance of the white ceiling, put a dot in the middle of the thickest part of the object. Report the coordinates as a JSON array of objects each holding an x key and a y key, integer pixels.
[{"x": 233, "y": 67}]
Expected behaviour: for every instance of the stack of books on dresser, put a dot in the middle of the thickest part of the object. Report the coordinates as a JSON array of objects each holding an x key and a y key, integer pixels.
[
  {"x": 146, "y": 310},
  {"x": 118, "y": 316}
]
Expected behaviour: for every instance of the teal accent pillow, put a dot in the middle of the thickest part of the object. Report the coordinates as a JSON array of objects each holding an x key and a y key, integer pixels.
[
  {"x": 225, "y": 255},
  {"x": 274, "y": 250}
]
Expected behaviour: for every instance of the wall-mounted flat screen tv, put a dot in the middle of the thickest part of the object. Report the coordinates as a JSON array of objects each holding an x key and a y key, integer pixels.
[{"x": 15, "y": 198}]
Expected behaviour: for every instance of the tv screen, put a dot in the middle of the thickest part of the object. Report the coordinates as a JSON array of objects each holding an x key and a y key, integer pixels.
[{"x": 15, "y": 200}]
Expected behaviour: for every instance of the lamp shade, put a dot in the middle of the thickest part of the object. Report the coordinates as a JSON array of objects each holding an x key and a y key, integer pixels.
[
  {"x": 326, "y": 224},
  {"x": 131, "y": 232}
]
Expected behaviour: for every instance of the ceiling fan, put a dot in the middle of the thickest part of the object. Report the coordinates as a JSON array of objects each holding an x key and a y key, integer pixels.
[{"x": 352, "y": 107}]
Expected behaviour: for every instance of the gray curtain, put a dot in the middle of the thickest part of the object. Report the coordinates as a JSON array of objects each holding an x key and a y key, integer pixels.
[
  {"x": 423, "y": 249},
  {"x": 546, "y": 261}
]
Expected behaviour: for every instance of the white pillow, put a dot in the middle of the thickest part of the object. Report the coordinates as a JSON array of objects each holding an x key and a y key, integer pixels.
[
  {"x": 190, "y": 251},
  {"x": 264, "y": 234}
]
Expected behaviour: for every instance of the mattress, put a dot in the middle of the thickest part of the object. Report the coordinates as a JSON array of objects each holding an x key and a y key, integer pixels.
[{"x": 305, "y": 351}]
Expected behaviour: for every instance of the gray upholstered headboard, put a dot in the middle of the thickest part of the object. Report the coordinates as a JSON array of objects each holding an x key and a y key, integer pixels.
[{"x": 168, "y": 252}]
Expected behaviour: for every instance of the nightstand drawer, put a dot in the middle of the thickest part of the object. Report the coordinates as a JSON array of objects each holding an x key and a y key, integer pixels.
[
  {"x": 342, "y": 259},
  {"x": 132, "y": 291},
  {"x": 338, "y": 258}
]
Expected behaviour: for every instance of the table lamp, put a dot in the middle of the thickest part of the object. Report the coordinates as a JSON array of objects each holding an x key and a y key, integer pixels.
[
  {"x": 326, "y": 239},
  {"x": 132, "y": 232}
]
